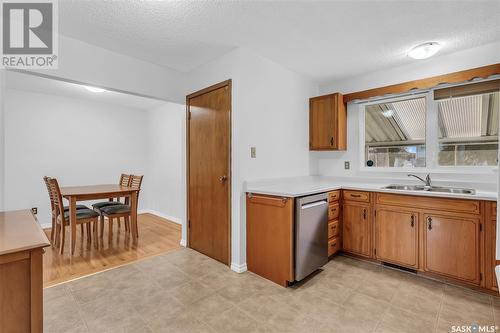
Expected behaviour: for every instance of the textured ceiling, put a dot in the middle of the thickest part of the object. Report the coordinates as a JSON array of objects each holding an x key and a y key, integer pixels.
[{"x": 323, "y": 40}]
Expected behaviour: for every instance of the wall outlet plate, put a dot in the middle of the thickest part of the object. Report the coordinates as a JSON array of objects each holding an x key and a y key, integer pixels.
[
  {"x": 253, "y": 152},
  {"x": 347, "y": 165},
  {"x": 34, "y": 210}
]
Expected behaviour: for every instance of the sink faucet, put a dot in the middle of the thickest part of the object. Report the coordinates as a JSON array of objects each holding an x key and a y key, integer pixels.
[{"x": 427, "y": 180}]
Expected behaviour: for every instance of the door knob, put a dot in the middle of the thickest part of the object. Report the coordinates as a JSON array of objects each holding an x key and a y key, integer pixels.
[{"x": 223, "y": 178}]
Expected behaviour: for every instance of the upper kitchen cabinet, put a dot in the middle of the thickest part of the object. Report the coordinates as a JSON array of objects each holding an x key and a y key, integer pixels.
[{"x": 327, "y": 123}]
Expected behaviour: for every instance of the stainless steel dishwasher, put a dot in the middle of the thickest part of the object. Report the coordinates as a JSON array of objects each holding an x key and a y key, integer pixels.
[{"x": 311, "y": 234}]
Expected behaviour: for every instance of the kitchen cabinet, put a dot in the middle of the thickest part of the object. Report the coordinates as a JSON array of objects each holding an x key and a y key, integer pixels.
[
  {"x": 356, "y": 229},
  {"x": 327, "y": 123},
  {"x": 490, "y": 245},
  {"x": 451, "y": 246},
  {"x": 396, "y": 236},
  {"x": 334, "y": 234},
  {"x": 270, "y": 235}
]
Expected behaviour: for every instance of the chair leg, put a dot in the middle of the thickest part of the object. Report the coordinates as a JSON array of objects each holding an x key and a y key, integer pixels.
[
  {"x": 102, "y": 225},
  {"x": 57, "y": 236},
  {"x": 110, "y": 226},
  {"x": 52, "y": 231},
  {"x": 119, "y": 223},
  {"x": 127, "y": 223},
  {"x": 81, "y": 229},
  {"x": 63, "y": 233},
  {"x": 89, "y": 233}
]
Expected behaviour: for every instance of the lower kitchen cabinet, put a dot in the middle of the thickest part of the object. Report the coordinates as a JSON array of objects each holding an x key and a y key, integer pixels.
[
  {"x": 452, "y": 246},
  {"x": 490, "y": 246},
  {"x": 270, "y": 233},
  {"x": 396, "y": 237},
  {"x": 356, "y": 229}
]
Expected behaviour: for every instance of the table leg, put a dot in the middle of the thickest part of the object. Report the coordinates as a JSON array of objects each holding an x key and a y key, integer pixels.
[
  {"x": 72, "y": 224},
  {"x": 133, "y": 213}
]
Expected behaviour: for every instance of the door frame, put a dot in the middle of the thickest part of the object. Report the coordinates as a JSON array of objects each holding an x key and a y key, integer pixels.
[{"x": 228, "y": 84}]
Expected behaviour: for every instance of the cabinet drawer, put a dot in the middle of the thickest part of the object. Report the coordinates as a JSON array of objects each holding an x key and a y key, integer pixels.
[
  {"x": 333, "y": 245},
  {"x": 333, "y": 211},
  {"x": 356, "y": 196},
  {"x": 333, "y": 196},
  {"x": 430, "y": 203},
  {"x": 333, "y": 229}
]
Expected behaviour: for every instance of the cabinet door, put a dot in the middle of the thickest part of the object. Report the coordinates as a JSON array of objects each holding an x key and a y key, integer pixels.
[
  {"x": 451, "y": 246},
  {"x": 270, "y": 237},
  {"x": 356, "y": 229},
  {"x": 396, "y": 235},
  {"x": 322, "y": 123}
]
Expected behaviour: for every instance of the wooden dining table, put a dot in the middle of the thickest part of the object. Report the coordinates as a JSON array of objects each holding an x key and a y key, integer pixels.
[{"x": 95, "y": 192}]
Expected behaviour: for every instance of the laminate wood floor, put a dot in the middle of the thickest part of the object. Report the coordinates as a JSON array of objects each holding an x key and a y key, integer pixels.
[{"x": 156, "y": 236}]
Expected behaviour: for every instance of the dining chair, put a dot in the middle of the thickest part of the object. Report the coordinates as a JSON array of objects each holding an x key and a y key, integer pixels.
[
  {"x": 124, "y": 181},
  {"x": 53, "y": 209},
  {"x": 83, "y": 216},
  {"x": 122, "y": 210}
]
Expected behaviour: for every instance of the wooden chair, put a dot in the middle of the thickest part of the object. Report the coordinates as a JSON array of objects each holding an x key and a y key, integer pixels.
[
  {"x": 122, "y": 210},
  {"x": 124, "y": 181},
  {"x": 83, "y": 216},
  {"x": 53, "y": 209}
]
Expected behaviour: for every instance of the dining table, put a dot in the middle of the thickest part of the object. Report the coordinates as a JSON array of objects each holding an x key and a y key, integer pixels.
[{"x": 95, "y": 192}]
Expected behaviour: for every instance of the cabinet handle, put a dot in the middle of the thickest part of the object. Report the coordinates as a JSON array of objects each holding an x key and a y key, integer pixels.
[
  {"x": 355, "y": 195},
  {"x": 364, "y": 214},
  {"x": 412, "y": 221},
  {"x": 429, "y": 223},
  {"x": 331, "y": 141}
]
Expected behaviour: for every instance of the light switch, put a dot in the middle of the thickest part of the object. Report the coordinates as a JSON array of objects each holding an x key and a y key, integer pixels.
[
  {"x": 253, "y": 152},
  {"x": 347, "y": 165}
]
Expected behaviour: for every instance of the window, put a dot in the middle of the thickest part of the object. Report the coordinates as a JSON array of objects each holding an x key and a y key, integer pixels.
[
  {"x": 462, "y": 128},
  {"x": 395, "y": 133},
  {"x": 468, "y": 130}
]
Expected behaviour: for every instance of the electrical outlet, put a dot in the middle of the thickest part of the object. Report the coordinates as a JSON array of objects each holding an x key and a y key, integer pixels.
[
  {"x": 34, "y": 210},
  {"x": 253, "y": 152},
  {"x": 347, "y": 165}
]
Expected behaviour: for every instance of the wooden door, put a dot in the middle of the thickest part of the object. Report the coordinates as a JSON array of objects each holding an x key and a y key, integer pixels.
[
  {"x": 396, "y": 234},
  {"x": 490, "y": 245},
  {"x": 356, "y": 229},
  {"x": 451, "y": 246},
  {"x": 209, "y": 184},
  {"x": 321, "y": 123}
]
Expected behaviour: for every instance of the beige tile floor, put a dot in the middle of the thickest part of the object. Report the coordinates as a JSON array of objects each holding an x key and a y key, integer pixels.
[{"x": 184, "y": 291}]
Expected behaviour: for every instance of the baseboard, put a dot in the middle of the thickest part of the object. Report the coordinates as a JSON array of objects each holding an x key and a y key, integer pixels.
[
  {"x": 157, "y": 213},
  {"x": 238, "y": 268},
  {"x": 183, "y": 243}
]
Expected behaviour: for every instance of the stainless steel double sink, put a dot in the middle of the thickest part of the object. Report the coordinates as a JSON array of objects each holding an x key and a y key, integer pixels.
[{"x": 441, "y": 189}]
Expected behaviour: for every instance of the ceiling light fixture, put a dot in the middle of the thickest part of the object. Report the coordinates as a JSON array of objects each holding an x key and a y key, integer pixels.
[
  {"x": 424, "y": 51},
  {"x": 95, "y": 89}
]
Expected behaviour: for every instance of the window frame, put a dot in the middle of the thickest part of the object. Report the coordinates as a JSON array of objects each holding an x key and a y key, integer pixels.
[{"x": 431, "y": 136}]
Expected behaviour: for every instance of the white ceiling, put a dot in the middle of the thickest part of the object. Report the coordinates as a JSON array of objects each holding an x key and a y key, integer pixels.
[
  {"x": 32, "y": 83},
  {"x": 323, "y": 40}
]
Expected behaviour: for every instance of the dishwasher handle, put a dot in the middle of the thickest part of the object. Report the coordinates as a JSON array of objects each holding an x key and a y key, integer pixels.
[{"x": 314, "y": 204}]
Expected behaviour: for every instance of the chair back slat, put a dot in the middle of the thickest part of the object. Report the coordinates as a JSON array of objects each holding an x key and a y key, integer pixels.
[
  {"x": 51, "y": 197},
  {"x": 135, "y": 182},
  {"x": 56, "y": 194},
  {"x": 125, "y": 179}
]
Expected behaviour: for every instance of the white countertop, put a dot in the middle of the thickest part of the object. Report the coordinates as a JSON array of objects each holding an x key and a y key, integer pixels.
[{"x": 301, "y": 186}]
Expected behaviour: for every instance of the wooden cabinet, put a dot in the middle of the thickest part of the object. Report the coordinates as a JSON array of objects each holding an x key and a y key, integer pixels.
[
  {"x": 396, "y": 237},
  {"x": 356, "y": 229},
  {"x": 327, "y": 123},
  {"x": 490, "y": 246},
  {"x": 451, "y": 246},
  {"x": 270, "y": 223},
  {"x": 334, "y": 234},
  {"x": 21, "y": 283}
]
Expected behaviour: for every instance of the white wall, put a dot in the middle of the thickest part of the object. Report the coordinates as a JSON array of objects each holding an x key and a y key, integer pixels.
[
  {"x": 77, "y": 141},
  {"x": 93, "y": 65},
  {"x": 269, "y": 112},
  {"x": 332, "y": 163},
  {"x": 2, "y": 137},
  {"x": 164, "y": 182},
  {"x": 438, "y": 65}
]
